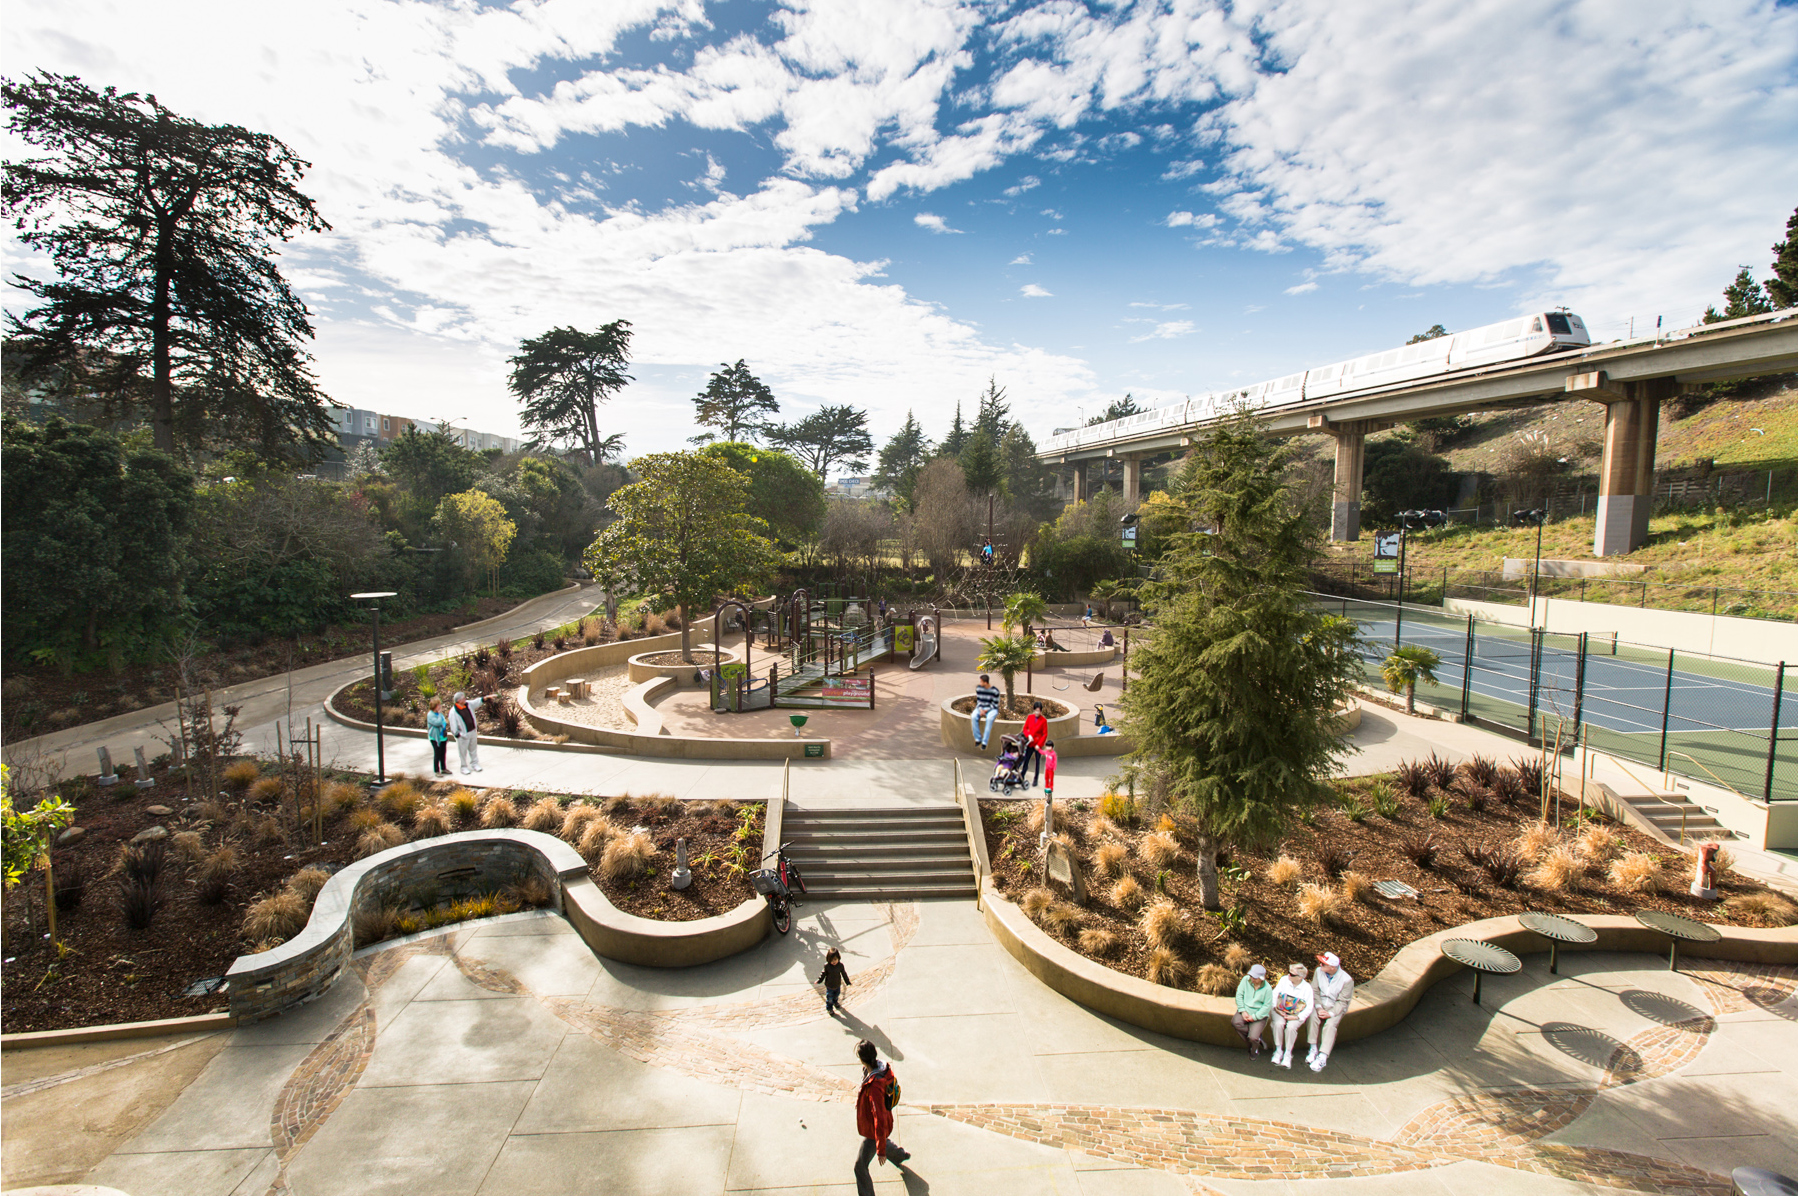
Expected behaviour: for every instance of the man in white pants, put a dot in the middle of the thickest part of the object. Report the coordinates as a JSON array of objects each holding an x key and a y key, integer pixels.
[
  {"x": 1335, "y": 988},
  {"x": 462, "y": 723}
]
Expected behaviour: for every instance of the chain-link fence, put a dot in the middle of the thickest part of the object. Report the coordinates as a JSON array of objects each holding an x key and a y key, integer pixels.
[{"x": 1710, "y": 718}]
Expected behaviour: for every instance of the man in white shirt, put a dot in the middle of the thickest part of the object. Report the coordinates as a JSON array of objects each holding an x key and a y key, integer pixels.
[
  {"x": 1335, "y": 988},
  {"x": 462, "y": 721}
]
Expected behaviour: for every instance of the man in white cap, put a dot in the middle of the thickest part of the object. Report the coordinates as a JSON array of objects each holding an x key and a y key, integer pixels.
[
  {"x": 1254, "y": 1005},
  {"x": 1334, "y": 988},
  {"x": 462, "y": 723}
]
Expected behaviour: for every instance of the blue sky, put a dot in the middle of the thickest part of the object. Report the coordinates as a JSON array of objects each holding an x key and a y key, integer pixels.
[{"x": 885, "y": 202}]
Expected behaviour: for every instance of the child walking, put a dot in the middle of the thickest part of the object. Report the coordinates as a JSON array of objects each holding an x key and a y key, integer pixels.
[{"x": 833, "y": 978}]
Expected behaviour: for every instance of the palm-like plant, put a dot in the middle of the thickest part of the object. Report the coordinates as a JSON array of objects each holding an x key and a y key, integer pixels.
[
  {"x": 1025, "y": 610},
  {"x": 1106, "y": 592},
  {"x": 1406, "y": 668},
  {"x": 1007, "y": 656}
]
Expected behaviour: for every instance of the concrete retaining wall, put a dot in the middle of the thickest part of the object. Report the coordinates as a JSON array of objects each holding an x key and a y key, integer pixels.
[
  {"x": 1722, "y": 635},
  {"x": 1076, "y": 660},
  {"x": 681, "y": 674},
  {"x": 1379, "y": 1003},
  {"x": 957, "y": 731},
  {"x": 578, "y": 661},
  {"x": 648, "y": 943},
  {"x": 652, "y": 740}
]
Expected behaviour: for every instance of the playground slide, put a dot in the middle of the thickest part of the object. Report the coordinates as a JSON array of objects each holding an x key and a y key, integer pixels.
[{"x": 926, "y": 649}]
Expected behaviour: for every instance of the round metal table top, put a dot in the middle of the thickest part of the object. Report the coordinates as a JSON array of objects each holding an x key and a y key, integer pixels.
[
  {"x": 1554, "y": 926},
  {"x": 1482, "y": 957},
  {"x": 1678, "y": 926},
  {"x": 1756, "y": 1181}
]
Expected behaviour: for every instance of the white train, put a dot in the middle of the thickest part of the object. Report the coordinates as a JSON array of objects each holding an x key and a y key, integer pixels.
[{"x": 1512, "y": 340}]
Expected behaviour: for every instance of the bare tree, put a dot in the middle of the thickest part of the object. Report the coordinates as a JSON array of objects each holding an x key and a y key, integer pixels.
[{"x": 945, "y": 522}]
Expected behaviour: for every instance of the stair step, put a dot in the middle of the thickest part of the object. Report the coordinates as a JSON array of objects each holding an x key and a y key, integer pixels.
[
  {"x": 872, "y": 834},
  {"x": 947, "y": 850},
  {"x": 891, "y": 823},
  {"x": 864, "y": 876},
  {"x": 857, "y": 867}
]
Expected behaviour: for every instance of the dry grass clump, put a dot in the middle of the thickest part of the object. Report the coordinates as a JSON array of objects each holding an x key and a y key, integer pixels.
[
  {"x": 596, "y": 832},
  {"x": 431, "y": 821},
  {"x": 307, "y": 882},
  {"x": 1165, "y": 967},
  {"x": 1101, "y": 827},
  {"x": 1238, "y": 958},
  {"x": 1560, "y": 871},
  {"x": 1596, "y": 844},
  {"x": 1320, "y": 905},
  {"x": 1126, "y": 894},
  {"x": 544, "y": 815},
  {"x": 276, "y": 918},
  {"x": 213, "y": 875},
  {"x": 575, "y": 820},
  {"x": 498, "y": 812},
  {"x": 462, "y": 805},
  {"x": 1109, "y": 859},
  {"x": 1536, "y": 839},
  {"x": 398, "y": 801},
  {"x": 1217, "y": 980},
  {"x": 211, "y": 810},
  {"x": 1723, "y": 863},
  {"x": 1637, "y": 872},
  {"x": 268, "y": 789},
  {"x": 378, "y": 838},
  {"x": 1061, "y": 917},
  {"x": 1033, "y": 817},
  {"x": 240, "y": 775},
  {"x": 361, "y": 820},
  {"x": 1036, "y": 901},
  {"x": 341, "y": 797},
  {"x": 1284, "y": 871},
  {"x": 267, "y": 831},
  {"x": 1769, "y": 909},
  {"x": 1098, "y": 942},
  {"x": 617, "y": 807},
  {"x": 1159, "y": 850},
  {"x": 1162, "y": 925},
  {"x": 189, "y": 847},
  {"x": 1358, "y": 886},
  {"x": 626, "y": 858},
  {"x": 374, "y": 924}
]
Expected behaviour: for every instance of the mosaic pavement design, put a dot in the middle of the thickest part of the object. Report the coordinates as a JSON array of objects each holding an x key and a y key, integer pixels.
[{"x": 1503, "y": 1127}]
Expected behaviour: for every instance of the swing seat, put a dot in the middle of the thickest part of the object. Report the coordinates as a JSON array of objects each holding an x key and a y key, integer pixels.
[{"x": 1093, "y": 685}]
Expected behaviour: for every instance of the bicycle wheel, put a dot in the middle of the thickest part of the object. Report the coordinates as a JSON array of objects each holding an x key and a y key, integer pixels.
[
  {"x": 783, "y": 916},
  {"x": 794, "y": 880}
]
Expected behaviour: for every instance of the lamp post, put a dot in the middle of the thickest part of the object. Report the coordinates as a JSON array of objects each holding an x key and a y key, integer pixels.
[
  {"x": 1410, "y": 521},
  {"x": 1538, "y": 517},
  {"x": 374, "y": 598}
]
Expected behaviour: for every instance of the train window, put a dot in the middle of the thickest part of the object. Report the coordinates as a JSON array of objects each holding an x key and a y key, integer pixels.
[
  {"x": 1536, "y": 324},
  {"x": 1558, "y": 323}
]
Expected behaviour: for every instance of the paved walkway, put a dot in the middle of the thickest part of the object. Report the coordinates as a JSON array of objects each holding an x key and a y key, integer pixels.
[{"x": 504, "y": 1058}]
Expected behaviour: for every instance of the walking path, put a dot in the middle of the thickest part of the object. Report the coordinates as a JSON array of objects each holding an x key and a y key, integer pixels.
[{"x": 503, "y": 1057}]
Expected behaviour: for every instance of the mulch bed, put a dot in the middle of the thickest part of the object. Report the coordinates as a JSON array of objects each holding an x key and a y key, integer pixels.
[
  {"x": 1017, "y": 708},
  {"x": 110, "y": 973},
  {"x": 41, "y": 698},
  {"x": 1367, "y": 934}
]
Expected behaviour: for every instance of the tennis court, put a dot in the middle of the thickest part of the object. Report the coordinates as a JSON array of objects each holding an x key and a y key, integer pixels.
[{"x": 1705, "y": 717}]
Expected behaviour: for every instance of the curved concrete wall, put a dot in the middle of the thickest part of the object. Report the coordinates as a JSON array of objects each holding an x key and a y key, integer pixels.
[
  {"x": 1379, "y": 1003},
  {"x": 1076, "y": 660},
  {"x": 958, "y": 732},
  {"x": 577, "y": 661},
  {"x": 643, "y": 941},
  {"x": 651, "y": 739},
  {"x": 681, "y": 674}
]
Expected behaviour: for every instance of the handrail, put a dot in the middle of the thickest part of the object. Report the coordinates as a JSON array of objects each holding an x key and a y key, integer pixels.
[
  {"x": 1649, "y": 790},
  {"x": 1713, "y": 776}
]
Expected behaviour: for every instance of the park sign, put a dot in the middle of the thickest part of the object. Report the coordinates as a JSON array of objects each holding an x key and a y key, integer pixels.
[
  {"x": 847, "y": 691},
  {"x": 1385, "y": 551},
  {"x": 1129, "y": 538},
  {"x": 903, "y": 637}
]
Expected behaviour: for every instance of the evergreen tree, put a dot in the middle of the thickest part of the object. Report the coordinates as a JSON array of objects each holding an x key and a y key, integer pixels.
[
  {"x": 1116, "y": 409},
  {"x": 736, "y": 403},
  {"x": 1429, "y": 334},
  {"x": 901, "y": 459},
  {"x": 991, "y": 422},
  {"x": 1743, "y": 297},
  {"x": 563, "y": 376},
  {"x": 162, "y": 231},
  {"x": 980, "y": 463},
  {"x": 1230, "y": 713},
  {"x": 1025, "y": 481},
  {"x": 832, "y": 435},
  {"x": 1782, "y": 288},
  {"x": 957, "y": 439}
]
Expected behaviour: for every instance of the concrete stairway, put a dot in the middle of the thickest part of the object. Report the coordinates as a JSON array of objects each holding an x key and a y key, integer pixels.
[
  {"x": 1665, "y": 812},
  {"x": 881, "y": 855}
]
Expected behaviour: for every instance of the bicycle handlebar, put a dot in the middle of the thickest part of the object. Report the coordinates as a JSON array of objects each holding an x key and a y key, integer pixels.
[{"x": 781, "y": 850}]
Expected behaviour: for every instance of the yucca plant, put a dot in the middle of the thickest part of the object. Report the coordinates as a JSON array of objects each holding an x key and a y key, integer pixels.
[{"x": 1405, "y": 668}]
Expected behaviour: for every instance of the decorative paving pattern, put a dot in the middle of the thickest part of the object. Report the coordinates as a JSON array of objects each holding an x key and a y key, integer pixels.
[
  {"x": 1479, "y": 1121},
  {"x": 1740, "y": 987},
  {"x": 321, "y": 1081}
]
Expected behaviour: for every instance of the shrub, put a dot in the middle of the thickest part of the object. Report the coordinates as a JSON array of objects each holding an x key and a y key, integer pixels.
[
  {"x": 1118, "y": 808},
  {"x": 1108, "y": 860},
  {"x": 307, "y": 882},
  {"x": 598, "y": 831},
  {"x": 498, "y": 811},
  {"x": 143, "y": 861},
  {"x": 431, "y": 821},
  {"x": 503, "y": 649},
  {"x": 1101, "y": 827},
  {"x": 1596, "y": 843},
  {"x": 1158, "y": 850},
  {"x": 213, "y": 876},
  {"x": 1126, "y": 894},
  {"x": 1440, "y": 772},
  {"x": 626, "y": 858},
  {"x": 1357, "y": 886},
  {"x": 1318, "y": 904},
  {"x": 189, "y": 847},
  {"x": 1421, "y": 850},
  {"x": 211, "y": 811},
  {"x": 1723, "y": 863},
  {"x": 511, "y": 718},
  {"x": 341, "y": 798},
  {"x": 1437, "y": 806},
  {"x": 1162, "y": 925},
  {"x": 379, "y": 838},
  {"x": 1535, "y": 840},
  {"x": 1500, "y": 864},
  {"x": 1480, "y": 770},
  {"x": 138, "y": 901},
  {"x": 537, "y": 641},
  {"x": 362, "y": 819},
  {"x": 575, "y": 820},
  {"x": 1035, "y": 902},
  {"x": 1355, "y": 810},
  {"x": 618, "y": 807},
  {"x": 1637, "y": 872},
  {"x": 1238, "y": 958},
  {"x": 1284, "y": 871},
  {"x": 1477, "y": 799},
  {"x": 1335, "y": 858},
  {"x": 1412, "y": 778},
  {"x": 1508, "y": 786},
  {"x": 533, "y": 892},
  {"x": 1167, "y": 968},
  {"x": 374, "y": 924},
  {"x": 276, "y": 918},
  {"x": 1529, "y": 778},
  {"x": 1216, "y": 980},
  {"x": 269, "y": 790},
  {"x": 240, "y": 775},
  {"x": 544, "y": 815},
  {"x": 1033, "y": 817},
  {"x": 1769, "y": 909},
  {"x": 1098, "y": 942},
  {"x": 268, "y": 831},
  {"x": 462, "y": 805},
  {"x": 1061, "y": 917},
  {"x": 71, "y": 885},
  {"x": 1383, "y": 799},
  {"x": 398, "y": 801}
]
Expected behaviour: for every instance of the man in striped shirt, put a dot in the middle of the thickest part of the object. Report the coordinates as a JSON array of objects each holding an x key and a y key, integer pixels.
[{"x": 986, "y": 706}]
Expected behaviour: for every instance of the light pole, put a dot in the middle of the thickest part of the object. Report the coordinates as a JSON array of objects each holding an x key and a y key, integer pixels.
[
  {"x": 1538, "y": 517},
  {"x": 1410, "y": 521},
  {"x": 374, "y": 598}
]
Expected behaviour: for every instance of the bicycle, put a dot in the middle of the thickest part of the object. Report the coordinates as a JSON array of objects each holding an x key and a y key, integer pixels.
[
  {"x": 776, "y": 884},
  {"x": 789, "y": 872}
]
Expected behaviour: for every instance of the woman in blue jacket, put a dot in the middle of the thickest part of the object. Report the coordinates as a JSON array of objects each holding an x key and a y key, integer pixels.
[{"x": 437, "y": 729}]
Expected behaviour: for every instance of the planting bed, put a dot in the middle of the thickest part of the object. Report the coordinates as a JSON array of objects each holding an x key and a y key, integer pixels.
[
  {"x": 1366, "y": 933},
  {"x": 714, "y": 832},
  {"x": 1014, "y": 709}
]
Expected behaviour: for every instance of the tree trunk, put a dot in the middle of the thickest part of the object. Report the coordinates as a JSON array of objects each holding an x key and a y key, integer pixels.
[
  {"x": 1411, "y": 698},
  {"x": 1207, "y": 854},
  {"x": 162, "y": 385},
  {"x": 686, "y": 637}
]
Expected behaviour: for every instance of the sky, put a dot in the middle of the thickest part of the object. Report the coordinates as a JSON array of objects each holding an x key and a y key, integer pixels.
[{"x": 888, "y": 202}]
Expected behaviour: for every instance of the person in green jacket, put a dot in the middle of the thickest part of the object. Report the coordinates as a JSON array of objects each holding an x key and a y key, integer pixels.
[{"x": 1254, "y": 1005}]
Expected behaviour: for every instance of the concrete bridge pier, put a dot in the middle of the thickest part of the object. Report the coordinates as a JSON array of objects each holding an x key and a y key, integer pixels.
[
  {"x": 1081, "y": 493},
  {"x": 1351, "y": 452},
  {"x": 1132, "y": 481},
  {"x": 1626, "y": 480}
]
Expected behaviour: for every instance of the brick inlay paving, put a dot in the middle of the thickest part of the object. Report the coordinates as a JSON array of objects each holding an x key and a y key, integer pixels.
[{"x": 1740, "y": 987}]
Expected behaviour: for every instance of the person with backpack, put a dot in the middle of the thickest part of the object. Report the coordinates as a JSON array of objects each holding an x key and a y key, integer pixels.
[
  {"x": 874, "y": 1104},
  {"x": 833, "y": 978}
]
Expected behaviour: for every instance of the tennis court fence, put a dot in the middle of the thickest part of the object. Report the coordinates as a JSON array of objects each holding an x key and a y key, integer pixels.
[{"x": 1708, "y": 718}]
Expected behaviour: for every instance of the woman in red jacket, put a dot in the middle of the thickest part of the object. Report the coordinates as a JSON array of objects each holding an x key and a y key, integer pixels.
[
  {"x": 874, "y": 1116},
  {"x": 1036, "y": 733}
]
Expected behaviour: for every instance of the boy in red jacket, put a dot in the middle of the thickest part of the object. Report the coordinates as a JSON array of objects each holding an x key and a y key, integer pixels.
[{"x": 874, "y": 1117}]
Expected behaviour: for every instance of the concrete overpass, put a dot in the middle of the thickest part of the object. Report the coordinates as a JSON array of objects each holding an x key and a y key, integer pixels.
[{"x": 1629, "y": 378}]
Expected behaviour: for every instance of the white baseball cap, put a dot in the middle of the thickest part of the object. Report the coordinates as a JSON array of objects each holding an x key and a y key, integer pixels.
[
  {"x": 1329, "y": 960},
  {"x": 1258, "y": 972}
]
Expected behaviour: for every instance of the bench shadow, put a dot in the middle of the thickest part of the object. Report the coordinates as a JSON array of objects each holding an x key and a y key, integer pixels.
[{"x": 1657, "y": 1007}]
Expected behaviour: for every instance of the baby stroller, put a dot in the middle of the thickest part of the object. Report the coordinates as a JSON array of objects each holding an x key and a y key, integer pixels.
[{"x": 1005, "y": 776}]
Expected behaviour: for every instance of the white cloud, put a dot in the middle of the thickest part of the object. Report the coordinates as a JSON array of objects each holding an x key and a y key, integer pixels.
[
  {"x": 1052, "y": 214},
  {"x": 1027, "y": 183},
  {"x": 1183, "y": 169},
  {"x": 1056, "y": 232},
  {"x": 1190, "y": 220},
  {"x": 1023, "y": 259},
  {"x": 934, "y": 223},
  {"x": 1031, "y": 291},
  {"x": 1302, "y": 288},
  {"x": 1171, "y": 330},
  {"x": 1160, "y": 306}
]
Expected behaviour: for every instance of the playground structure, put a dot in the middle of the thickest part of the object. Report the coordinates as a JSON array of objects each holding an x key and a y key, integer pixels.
[{"x": 823, "y": 652}]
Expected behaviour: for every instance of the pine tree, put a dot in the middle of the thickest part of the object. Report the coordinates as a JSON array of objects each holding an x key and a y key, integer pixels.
[
  {"x": 991, "y": 422},
  {"x": 1743, "y": 297},
  {"x": 563, "y": 376},
  {"x": 980, "y": 463},
  {"x": 735, "y": 402},
  {"x": 901, "y": 458},
  {"x": 1230, "y": 711},
  {"x": 957, "y": 439},
  {"x": 1782, "y": 288}
]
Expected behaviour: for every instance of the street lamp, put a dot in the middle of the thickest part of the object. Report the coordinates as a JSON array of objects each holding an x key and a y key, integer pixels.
[
  {"x": 1410, "y": 521},
  {"x": 1538, "y": 517},
  {"x": 374, "y": 598}
]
